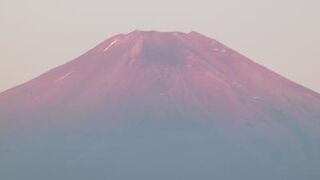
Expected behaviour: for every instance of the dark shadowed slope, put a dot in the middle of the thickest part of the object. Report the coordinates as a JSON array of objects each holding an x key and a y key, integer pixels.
[{"x": 151, "y": 105}]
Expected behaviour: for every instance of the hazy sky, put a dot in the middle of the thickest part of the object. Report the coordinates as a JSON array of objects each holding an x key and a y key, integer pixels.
[{"x": 36, "y": 35}]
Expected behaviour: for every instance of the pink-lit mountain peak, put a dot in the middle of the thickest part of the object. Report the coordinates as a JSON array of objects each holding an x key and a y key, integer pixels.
[
  {"x": 171, "y": 69},
  {"x": 150, "y": 104}
]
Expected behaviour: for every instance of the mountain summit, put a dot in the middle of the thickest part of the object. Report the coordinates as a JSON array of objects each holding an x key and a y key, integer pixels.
[{"x": 154, "y": 105}]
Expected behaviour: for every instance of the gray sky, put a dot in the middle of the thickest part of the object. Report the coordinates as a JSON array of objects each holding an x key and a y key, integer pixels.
[{"x": 36, "y": 35}]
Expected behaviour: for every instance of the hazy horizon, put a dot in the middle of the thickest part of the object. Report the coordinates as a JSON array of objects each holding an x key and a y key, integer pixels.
[{"x": 37, "y": 35}]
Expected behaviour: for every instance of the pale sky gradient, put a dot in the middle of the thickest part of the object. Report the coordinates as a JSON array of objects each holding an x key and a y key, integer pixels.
[{"x": 37, "y": 35}]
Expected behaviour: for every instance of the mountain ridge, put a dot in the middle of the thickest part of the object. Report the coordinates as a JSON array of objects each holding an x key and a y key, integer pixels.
[
  {"x": 161, "y": 106},
  {"x": 149, "y": 32}
]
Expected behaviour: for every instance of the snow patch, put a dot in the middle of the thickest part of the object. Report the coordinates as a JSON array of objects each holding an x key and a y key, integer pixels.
[
  {"x": 256, "y": 98},
  {"x": 63, "y": 77},
  {"x": 223, "y": 50},
  {"x": 111, "y": 44}
]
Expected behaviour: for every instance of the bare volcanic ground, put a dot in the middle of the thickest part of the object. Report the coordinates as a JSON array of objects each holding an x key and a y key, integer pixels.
[{"x": 154, "y": 106}]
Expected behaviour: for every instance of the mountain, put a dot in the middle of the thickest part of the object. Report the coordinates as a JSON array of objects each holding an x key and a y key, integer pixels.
[{"x": 154, "y": 105}]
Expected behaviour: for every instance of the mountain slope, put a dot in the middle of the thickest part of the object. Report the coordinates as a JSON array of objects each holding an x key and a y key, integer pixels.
[{"x": 151, "y": 105}]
